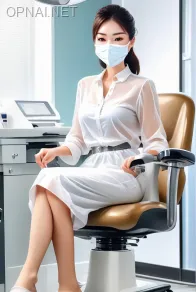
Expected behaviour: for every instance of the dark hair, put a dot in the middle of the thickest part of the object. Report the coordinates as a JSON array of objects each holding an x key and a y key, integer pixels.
[{"x": 126, "y": 21}]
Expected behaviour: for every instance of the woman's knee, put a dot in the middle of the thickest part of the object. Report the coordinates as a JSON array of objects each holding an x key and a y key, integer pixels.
[
  {"x": 40, "y": 190},
  {"x": 53, "y": 199},
  {"x": 49, "y": 194}
]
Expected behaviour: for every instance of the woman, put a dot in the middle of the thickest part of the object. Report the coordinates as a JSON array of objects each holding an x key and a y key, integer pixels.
[{"x": 113, "y": 109}]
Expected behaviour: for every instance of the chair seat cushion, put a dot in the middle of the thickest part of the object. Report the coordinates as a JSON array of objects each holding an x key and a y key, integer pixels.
[{"x": 123, "y": 217}]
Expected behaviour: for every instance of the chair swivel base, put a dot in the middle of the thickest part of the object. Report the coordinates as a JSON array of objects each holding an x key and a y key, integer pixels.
[
  {"x": 142, "y": 286},
  {"x": 114, "y": 271}
]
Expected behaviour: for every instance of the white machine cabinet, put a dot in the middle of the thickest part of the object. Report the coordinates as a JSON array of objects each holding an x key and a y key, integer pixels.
[{"x": 18, "y": 170}]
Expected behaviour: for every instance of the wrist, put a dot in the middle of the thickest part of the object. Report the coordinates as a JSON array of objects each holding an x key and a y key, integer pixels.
[
  {"x": 153, "y": 152},
  {"x": 62, "y": 151}
]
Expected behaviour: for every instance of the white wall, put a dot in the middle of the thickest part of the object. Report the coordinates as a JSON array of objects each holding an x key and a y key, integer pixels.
[
  {"x": 15, "y": 53},
  {"x": 25, "y": 52},
  {"x": 157, "y": 42},
  {"x": 189, "y": 87},
  {"x": 43, "y": 49}
]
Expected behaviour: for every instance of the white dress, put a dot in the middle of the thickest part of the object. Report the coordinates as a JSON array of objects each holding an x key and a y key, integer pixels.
[{"x": 129, "y": 111}]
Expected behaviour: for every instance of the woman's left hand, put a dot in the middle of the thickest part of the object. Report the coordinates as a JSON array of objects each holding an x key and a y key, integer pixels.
[{"x": 126, "y": 166}]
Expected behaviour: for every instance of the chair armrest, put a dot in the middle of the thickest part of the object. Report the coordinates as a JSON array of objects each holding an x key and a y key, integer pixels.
[
  {"x": 143, "y": 159},
  {"x": 173, "y": 159},
  {"x": 182, "y": 157}
]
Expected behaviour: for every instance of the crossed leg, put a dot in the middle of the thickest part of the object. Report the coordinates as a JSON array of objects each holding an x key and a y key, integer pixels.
[{"x": 51, "y": 220}]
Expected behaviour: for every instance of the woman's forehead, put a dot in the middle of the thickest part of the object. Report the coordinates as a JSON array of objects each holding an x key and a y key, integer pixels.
[{"x": 111, "y": 28}]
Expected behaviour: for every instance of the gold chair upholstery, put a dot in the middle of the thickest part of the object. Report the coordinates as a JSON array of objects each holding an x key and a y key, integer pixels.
[{"x": 177, "y": 113}]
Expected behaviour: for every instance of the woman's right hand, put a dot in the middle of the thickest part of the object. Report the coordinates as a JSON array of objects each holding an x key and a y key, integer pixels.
[
  {"x": 126, "y": 165},
  {"x": 45, "y": 156}
]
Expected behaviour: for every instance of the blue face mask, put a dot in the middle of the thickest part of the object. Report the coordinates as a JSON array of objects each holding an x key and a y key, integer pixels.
[{"x": 112, "y": 55}]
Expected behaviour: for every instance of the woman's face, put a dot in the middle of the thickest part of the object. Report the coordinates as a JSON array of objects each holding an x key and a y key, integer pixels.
[{"x": 112, "y": 33}]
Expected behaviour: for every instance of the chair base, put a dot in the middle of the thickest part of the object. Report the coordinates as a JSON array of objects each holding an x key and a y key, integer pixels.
[
  {"x": 142, "y": 286},
  {"x": 114, "y": 271}
]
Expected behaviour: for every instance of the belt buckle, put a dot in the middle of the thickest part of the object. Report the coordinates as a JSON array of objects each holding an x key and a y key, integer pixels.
[
  {"x": 99, "y": 149},
  {"x": 105, "y": 148},
  {"x": 102, "y": 148}
]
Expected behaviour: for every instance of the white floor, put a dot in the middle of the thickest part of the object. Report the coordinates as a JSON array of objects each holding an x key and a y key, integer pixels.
[{"x": 178, "y": 287}]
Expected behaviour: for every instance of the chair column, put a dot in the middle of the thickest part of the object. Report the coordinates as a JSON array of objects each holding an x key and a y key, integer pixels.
[{"x": 112, "y": 267}]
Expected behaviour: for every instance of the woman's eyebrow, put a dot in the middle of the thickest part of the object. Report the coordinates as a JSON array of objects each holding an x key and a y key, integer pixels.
[{"x": 117, "y": 33}]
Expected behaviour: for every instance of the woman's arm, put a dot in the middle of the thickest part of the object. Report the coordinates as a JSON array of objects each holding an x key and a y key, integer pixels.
[
  {"x": 63, "y": 151},
  {"x": 153, "y": 135}
]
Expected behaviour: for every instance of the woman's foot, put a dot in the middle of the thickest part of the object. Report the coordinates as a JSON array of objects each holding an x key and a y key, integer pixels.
[
  {"x": 27, "y": 281},
  {"x": 70, "y": 290}
]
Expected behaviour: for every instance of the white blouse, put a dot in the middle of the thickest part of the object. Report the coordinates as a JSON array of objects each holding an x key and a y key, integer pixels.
[{"x": 129, "y": 110}]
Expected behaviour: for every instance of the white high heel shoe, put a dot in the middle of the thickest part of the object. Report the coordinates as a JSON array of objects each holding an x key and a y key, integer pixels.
[{"x": 19, "y": 289}]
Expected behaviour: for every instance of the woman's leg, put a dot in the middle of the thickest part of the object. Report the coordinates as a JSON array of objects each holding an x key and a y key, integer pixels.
[
  {"x": 63, "y": 241},
  {"x": 40, "y": 238}
]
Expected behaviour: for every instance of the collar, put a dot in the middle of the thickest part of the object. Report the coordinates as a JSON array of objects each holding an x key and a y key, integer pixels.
[{"x": 121, "y": 76}]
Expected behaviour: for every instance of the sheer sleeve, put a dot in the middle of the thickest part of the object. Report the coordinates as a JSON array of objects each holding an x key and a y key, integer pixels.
[
  {"x": 153, "y": 135},
  {"x": 74, "y": 139}
]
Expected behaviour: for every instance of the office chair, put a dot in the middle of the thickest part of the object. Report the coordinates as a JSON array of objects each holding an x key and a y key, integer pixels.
[{"x": 112, "y": 265}]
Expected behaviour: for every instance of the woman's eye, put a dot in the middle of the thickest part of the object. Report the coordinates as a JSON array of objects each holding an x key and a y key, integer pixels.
[
  {"x": 101, "y": 39},
  {"x": 119, "y": 39}
]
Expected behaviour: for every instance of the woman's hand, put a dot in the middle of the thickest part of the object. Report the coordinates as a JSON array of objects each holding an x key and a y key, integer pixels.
[
  {"x": 45, "y": 156},
  {"x": 126, "y": 166}
]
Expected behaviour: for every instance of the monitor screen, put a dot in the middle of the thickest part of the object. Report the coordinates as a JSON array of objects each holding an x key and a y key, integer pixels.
[{"x": 35, "y": 108}]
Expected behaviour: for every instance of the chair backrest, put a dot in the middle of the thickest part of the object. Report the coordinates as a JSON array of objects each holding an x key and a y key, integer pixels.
[{"x": 177, "y": 114}]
